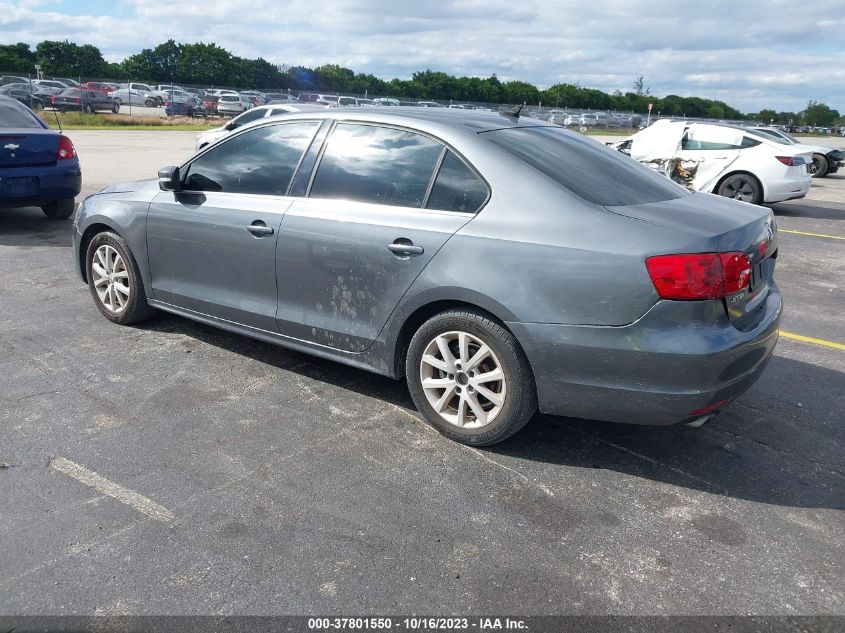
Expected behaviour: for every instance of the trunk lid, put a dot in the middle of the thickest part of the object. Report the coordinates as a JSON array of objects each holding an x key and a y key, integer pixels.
[
  {"x": 713, "y": 224},
  {"x": 28, "y": 147}
]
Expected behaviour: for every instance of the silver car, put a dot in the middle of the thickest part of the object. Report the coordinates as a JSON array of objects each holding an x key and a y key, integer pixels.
[{"x": 500, "y": 264}]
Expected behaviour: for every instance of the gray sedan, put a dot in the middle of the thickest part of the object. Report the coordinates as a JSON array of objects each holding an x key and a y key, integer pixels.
[{"x": 500, "y": 264}]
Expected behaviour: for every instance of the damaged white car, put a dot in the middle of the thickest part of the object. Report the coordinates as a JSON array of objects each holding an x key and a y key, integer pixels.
[{"x": 721, "y": 159}]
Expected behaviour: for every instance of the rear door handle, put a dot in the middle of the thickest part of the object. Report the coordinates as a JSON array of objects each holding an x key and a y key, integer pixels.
[
  {"x": 259, "y": 229},
  {"x": 406, "y": 248}
]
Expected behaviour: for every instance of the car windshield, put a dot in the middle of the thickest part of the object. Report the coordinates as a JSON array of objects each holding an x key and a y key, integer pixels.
[
  {"x": 585, "y": 167},
  {"x": 13, "y": 117}
]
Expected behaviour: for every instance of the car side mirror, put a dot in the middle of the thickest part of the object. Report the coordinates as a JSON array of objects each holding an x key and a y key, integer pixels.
[
  {"x": 231, "y": 126},
  {"x": 168, "y": 178}
]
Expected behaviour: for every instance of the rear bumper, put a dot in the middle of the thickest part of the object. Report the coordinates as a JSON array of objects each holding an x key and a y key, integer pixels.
[
  {"x": 784, "y": 189},
  {"x": 54, "y": 183},
  {"x": 678, "y": 358}
]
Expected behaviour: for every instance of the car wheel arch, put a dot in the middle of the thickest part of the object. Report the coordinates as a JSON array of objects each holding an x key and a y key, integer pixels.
[
  {"x": 737, "y": 172},
  {"x": 90, "y": 232},
  {"x": 412, "y": 322}
]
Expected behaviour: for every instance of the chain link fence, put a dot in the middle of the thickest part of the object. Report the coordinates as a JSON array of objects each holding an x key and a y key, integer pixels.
[{"x": 140, "y": 98}]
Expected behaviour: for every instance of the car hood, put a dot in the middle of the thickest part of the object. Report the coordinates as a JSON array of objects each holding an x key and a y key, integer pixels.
[
  {"x": 815, "y": 149},
  {"x": 129, "y": 187}
]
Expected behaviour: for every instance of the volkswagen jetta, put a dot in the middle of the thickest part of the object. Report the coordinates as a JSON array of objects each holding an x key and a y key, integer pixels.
[{"x": 500, "y": 264}]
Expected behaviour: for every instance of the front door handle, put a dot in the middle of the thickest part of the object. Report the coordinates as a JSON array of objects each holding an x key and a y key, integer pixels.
[
  {"x": 259, "y": 229},
  {"x": 405, "y": 248}
]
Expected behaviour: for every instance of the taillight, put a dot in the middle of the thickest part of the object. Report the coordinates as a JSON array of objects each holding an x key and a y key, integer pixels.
[
  {"x": 66, "y": 149},
  {"x": 77, "y": 100},
  {"x": 791, "y": 161},
  {"x": 698, "y": 276},
  {"x": 737, "y": 271}
]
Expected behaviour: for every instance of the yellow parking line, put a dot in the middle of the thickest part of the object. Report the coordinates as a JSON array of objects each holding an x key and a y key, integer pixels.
[
  {"x": 830, "y": 237},
  {"x": 814, "y": 341}
]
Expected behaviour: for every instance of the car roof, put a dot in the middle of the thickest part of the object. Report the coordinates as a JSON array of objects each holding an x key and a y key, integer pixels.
[{"x": 470, "y": 120}]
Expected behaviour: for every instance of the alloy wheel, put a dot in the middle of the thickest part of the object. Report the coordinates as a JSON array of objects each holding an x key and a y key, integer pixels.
[
  {"x": 111, "y": 279},
  {"x": 463, "y": 380},
  {"x": 740, "y": 190}
]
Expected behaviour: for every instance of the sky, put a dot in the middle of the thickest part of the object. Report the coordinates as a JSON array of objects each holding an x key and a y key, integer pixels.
[{"x": 752, "y": 54}]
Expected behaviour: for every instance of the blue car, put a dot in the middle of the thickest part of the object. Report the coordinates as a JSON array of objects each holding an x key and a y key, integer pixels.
[{"x": 38, "y": 166}]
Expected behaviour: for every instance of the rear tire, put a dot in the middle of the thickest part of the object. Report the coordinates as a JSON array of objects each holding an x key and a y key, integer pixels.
[
  {"x": 87, "y": 109},
  {"x": 59, "y": 209},
  {"x": 117, "y": 276},
  {"x": 115, "y": 107},
  {"x": 743, "y": 187},
  {"x": 820, "y": 167},
  {"x": 483, "y": 391},
  {"x": 149, "y": 103}
]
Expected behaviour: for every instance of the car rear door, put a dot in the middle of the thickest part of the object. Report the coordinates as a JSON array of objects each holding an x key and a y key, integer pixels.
[
  {"x": 707, "y": 152},
  {"x": 349, "y": 251},
  {"x": 212, "y": 245}
]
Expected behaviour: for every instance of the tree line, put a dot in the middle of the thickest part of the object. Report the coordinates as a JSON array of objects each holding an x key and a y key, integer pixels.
[{"x": 209, "y": 64}]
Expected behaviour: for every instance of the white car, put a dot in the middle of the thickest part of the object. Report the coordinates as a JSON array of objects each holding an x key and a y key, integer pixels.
[
  {"x": 721, "y": 159},
  {"x": 826, "y": 160},
  {"x": 233, "y": 104},
  {"x": 210, "y": 136},
  {"x": 131, "y": 96}
]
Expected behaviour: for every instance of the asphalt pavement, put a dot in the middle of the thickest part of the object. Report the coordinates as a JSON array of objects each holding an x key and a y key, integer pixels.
[{"x": 172, "y": 468}]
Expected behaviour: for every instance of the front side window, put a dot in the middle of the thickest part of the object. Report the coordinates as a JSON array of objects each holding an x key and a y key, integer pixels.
[
  {"x": 379, "y": 165},
  {"x": 456, "y": 187},
  {"x": 260, "y": 161}
]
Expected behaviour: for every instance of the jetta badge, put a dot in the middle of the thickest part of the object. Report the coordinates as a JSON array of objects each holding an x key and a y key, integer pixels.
[{"x": 11, "y": 146}]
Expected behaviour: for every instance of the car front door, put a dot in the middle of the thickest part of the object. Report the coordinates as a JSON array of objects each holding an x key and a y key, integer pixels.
[
  {"x": 212, "y": 244},
  {"x": 349, "y": 251}
]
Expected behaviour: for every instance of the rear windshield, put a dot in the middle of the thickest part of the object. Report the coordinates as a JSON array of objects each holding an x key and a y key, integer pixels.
[
  {"x": 12, "y": 117},
  {"x": 586, "y": 167}
]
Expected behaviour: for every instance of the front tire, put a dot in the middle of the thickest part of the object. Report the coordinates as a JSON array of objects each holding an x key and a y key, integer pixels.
[
  {"x": 115, "y": 281},
  {"x": 59, "y": 209},
  {"x": 115, "y": 107},
  {"x": 87, "y": 109},
  {"x": 469, "y": 378},
  {"x": 819, "y": 167},
  {"x": 744, "y": 187}
]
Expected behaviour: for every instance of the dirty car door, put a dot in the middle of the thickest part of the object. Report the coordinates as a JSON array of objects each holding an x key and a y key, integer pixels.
[
  {"x": 349, "y": 251},
  {"x": 212, "y": 245}
]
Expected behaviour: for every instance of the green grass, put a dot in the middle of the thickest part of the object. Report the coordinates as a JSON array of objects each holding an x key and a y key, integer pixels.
[{"x": 98, "y": 121}]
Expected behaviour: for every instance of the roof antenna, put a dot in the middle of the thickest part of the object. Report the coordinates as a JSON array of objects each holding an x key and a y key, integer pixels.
[
  {"x": 55, "y": 114},
  {"x": 513, "y": 114}
]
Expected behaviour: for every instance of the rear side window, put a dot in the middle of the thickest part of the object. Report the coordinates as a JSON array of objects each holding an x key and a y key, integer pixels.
[
  {"x": 379, "y": 165},
  {"x": 12, "y": 117},
  {"x": 585, "y": 167},
  {"x": 259, "y": 161},
  {"x": 254, "y": 115},
  {"x": 456, "y": 187}
]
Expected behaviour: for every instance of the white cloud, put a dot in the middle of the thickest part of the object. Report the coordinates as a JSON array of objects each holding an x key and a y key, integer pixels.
[{"x": 752, "y": 55}]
